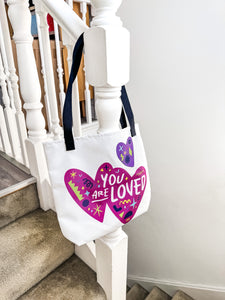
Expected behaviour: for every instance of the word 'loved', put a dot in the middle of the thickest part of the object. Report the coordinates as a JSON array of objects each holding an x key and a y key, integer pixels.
[{"x": 118, "y": 187}]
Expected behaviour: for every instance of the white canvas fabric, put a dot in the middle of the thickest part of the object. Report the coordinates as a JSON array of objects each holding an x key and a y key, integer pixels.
[
  {"x": 101, "y": 185},
  {"x": 99, "y": 182}
]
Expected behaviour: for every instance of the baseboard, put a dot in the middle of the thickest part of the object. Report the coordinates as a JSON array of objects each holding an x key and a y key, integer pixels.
[{"x": 196, "y": 291}]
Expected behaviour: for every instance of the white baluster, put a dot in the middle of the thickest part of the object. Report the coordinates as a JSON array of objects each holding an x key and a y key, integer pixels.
[
  {"x": 43, "y": 73},
  {"x": 6, "y": 147},
  {"x": 59, "y": 67},
  {"x": 6, "y": 68},
  {"x": 20, "y": 120},
  {"x": 4, "y": 134},
  {"x": 69, "y": 43},
  {"x": 48, "y": 67},
  {"x": 31, "y": 93},
  {"x": 75, "y": 93},
  {"x": 87, "y": 94},
  {"x": 9, "y": 115},
  {"x": 107, "y": 46}
]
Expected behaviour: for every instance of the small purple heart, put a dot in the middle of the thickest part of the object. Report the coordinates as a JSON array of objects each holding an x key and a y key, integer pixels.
[{"x": 125, "y": 152}]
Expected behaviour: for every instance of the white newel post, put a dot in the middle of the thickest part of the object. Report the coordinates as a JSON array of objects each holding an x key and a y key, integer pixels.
[
  {"x": 20, "y": 120},
  {"x": 107, "y": 46},
  {"x": 31, "y": 93}
]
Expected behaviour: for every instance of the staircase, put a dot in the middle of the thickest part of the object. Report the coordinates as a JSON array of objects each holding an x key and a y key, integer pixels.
[
  {"x": 137, "y": 292},
  {"x": 37, "y": 262}
]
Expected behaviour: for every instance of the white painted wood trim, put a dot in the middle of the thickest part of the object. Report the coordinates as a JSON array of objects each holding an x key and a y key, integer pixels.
[
  {"x": 87, "y": 94},
  {"x": 31, "y": 93},
  {"x": 82, "y": 1},
  {"x": 9, "y": 114},
  {"x": 88, "y": 129},
  {"x": 59, "y": 67},
  {"x": 65, "y": 17},
  {"x": 46, "y": 58},
  {"x": 18, "y": 186},
  {"x": 4, "y": 134},
  {"x": 87, "y": 253},
  {"x": 43, "y": 73},
  {"x": 20, "y": 120},
  {"x": 111, "y": 263}
]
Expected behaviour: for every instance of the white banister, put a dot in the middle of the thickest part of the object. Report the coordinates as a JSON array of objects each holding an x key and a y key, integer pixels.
[
  {"x": 20, "y": 120},
  {"x": 65, "y": 17},
  {"x": 31, "y": 93},
  {"x": 48, "y": 67},
  {"x": 106, "y": 45}
]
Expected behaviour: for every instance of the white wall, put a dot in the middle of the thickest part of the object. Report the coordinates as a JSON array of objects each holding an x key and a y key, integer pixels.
[{"x": 177, "y": 88}]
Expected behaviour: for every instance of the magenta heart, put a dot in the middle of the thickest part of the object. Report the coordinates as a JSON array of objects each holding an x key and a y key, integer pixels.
[
  {"x": 112, "y": 186},
  {"x": 125, "y": 153}
]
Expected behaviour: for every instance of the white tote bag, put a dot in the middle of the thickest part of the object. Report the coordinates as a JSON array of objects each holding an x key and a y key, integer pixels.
[{"x": 99, "y": 182}]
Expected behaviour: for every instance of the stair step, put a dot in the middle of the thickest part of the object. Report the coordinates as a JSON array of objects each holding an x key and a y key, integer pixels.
[
  {"x": 10, "y": 174},
  {"x": 157, "y": 294},
  {"x": 22, "y": 200},
  {"x": 31, "y": 248},
  {"x": 72, "y": 280},
  {"x": 181, "y": 296},
  {"x": 137, "y": 292}
]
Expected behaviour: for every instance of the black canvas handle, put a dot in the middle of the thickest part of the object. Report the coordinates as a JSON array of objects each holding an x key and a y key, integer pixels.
[{"x": 67, "y": 109}]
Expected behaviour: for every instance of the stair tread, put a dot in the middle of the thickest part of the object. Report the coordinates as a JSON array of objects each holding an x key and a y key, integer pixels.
[
  {"x": 137, "y": 292},
  {"x": 180, "y": 295},
  {"x": 72, "y": 280},
  {"x": 157, "y": 294},
  {"x": 10, "y": 174},
  {"x": 17, "y": 204},
  {"x": 33, "y": 247}
]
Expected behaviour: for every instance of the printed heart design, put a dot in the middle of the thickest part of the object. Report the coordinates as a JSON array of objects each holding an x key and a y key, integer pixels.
[
  {"x": 112, "y": 186},
  {"x": 125, "y": 153}
]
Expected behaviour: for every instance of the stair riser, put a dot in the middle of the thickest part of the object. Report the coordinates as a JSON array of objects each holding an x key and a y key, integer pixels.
[{"x": 17, "y": 204}]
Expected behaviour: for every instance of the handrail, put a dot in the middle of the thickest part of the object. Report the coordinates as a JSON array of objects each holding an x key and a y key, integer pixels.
[{"x": 65, "y": 17}]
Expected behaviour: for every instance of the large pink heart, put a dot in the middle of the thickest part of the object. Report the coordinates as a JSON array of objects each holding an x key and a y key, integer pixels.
[{"x": 112, "y": 186}]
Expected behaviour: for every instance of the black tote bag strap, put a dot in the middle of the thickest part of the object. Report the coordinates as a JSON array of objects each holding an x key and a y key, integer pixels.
[
  {"x": 67, "y": 109},
  {"x": 127, "y": 108}
]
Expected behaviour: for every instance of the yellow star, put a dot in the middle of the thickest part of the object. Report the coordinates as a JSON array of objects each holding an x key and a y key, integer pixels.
[
  {"x": 97, "y": 210},
  {"x": 126, "y": 178},
  {"x": 73, "y": 174}
]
